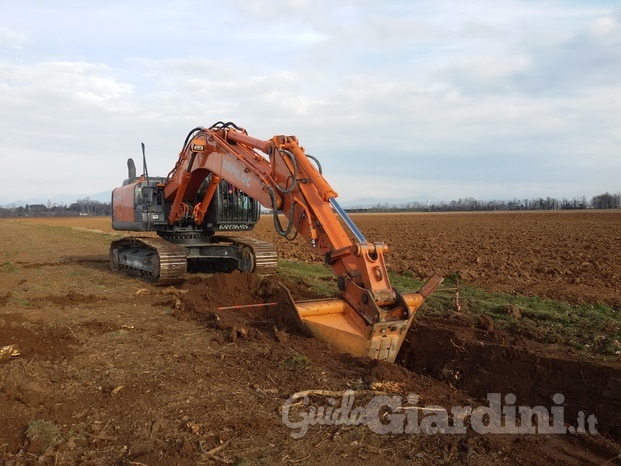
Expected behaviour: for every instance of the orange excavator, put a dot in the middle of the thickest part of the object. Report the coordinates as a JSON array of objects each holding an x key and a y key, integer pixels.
[{"x": 218, "y": 184}]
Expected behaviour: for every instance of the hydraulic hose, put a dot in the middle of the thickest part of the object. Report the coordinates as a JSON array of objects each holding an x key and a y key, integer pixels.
[
  {"x": 317, "y": 162},
  {"x": 295, "y": 174},
  {"x": 277, "y": 224}
]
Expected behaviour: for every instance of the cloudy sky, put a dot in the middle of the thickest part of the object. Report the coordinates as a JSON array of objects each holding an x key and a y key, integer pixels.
[{"x": 418, "y": 99}]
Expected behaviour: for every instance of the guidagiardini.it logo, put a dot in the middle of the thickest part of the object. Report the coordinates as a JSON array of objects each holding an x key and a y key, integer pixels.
[{"x": 385, "y": 414}]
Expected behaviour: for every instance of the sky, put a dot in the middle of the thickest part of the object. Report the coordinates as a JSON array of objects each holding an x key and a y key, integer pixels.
[{"x": 411, "y": 99}]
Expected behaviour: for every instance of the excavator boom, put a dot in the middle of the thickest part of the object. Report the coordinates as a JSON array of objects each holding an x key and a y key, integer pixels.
[{"x": 370, "y": 318}]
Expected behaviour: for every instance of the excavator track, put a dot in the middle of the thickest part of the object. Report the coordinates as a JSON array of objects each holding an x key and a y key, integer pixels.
[
  {"x": 153, "y": 260},
  {"x": 263, "y": 255},
  {"x": 162, "y": 262}
]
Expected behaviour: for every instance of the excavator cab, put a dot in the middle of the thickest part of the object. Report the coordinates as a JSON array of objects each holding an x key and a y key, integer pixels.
[
  {"x": 139, "y": 205},
  {"x": 231, "y": 209}
]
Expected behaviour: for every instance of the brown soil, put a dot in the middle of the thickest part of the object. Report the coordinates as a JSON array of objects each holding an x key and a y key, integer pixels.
[
  {"x": 568, "y": 256},
  {"x": 133, "y": 374}
]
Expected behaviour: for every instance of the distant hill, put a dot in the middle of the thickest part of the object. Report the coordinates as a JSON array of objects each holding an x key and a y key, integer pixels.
[
  {"x": 368, "y": 202},
  {"x": 60, "y": 199}
]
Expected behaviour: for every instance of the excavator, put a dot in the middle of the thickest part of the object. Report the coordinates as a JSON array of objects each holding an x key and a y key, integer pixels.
[{"x": 220, "y": 181}]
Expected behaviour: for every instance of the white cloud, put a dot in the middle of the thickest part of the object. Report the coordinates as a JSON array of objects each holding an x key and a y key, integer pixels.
[
  {"x": 12, "y": 39},
  {"x": 607, "y": 28},
  {"x": 443, "y": 99}
]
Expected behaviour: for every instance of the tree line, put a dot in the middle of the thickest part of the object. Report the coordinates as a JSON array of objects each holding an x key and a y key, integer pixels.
[
  {"x": 81, "y": 207},
  {"x": 469, "y": 204},
  {"x": 89, "y": 207}
]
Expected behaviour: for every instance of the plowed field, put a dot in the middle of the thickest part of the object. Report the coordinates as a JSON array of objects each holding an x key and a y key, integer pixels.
[
  {"x": 109, "y": 370},
  {"x": 569, "y": 256}
]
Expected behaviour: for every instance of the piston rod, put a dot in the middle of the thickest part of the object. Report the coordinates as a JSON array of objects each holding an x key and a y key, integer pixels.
[{"x": 352, "y": 226}]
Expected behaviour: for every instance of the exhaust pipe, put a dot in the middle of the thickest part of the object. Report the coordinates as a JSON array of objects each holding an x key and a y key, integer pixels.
[{"x": 131, "y": 169}]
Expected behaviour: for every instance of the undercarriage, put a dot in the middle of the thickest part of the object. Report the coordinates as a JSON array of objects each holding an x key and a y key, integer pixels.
[{"x": 165, "y": 261}]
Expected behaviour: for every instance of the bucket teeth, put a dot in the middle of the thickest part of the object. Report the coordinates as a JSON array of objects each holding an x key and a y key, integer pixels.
[{"x": 336, "y": 323}]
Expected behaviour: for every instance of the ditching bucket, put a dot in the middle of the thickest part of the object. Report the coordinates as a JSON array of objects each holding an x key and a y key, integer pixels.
[{"x": 336, "y": 323}]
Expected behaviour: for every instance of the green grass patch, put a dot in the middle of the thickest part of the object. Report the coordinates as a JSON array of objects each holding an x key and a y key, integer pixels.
[
  {"x": 295, "y": 362},
  {"x": 7, "y": 267},
  {"x": 316, "y": 275},
  {"x": 46, "y": 432},
  {"x": 592, "y": 328},
  {"x": 24, "y": 302}
]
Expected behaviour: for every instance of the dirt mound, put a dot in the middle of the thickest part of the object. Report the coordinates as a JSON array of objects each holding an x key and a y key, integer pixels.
[
  {"x": 233, "y": 303},
  {"x": 219, "y": 290}
]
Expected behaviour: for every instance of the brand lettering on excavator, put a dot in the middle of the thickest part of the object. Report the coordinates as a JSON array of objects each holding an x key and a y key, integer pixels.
[
  {"x": 234, "y": 227},
  {"x": 236, "y": 172}
]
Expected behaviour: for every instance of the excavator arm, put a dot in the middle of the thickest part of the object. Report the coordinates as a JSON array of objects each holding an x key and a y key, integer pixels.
[{"x": 371, "y": 318}]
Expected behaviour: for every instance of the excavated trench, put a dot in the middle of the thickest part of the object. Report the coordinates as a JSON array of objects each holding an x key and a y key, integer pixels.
[
  {"x": 480, "y": 362},
  {"x": 474, "y": 361}
]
